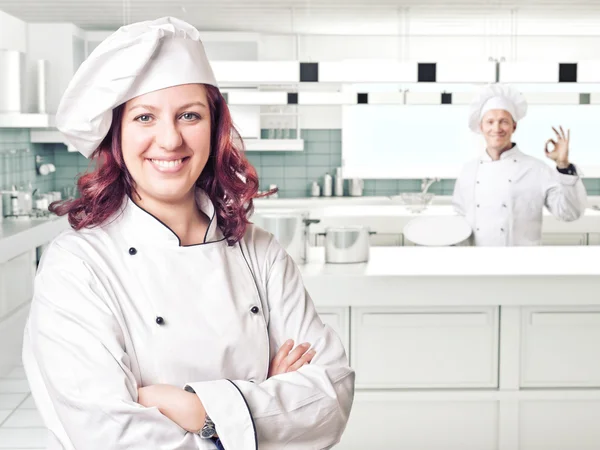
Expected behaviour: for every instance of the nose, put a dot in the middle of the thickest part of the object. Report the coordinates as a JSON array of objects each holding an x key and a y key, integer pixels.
[{"x": 168, "y": 136}]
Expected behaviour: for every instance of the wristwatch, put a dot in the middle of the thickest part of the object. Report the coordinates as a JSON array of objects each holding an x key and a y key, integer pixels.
[
  {"x": 570, "y": 170},
  {"x": 208, "y": 431}
]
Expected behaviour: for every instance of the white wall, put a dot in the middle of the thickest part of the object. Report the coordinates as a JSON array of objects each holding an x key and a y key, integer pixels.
[{"x": 13, "y": 33}]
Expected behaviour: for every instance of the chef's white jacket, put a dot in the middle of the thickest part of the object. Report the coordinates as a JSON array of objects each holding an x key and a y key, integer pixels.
[
  {"x": 503, "y": 200},
  {"x": 92, "y": 339}
]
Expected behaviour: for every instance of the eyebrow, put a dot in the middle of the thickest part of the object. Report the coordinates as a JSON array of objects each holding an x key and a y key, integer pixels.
[{"x": 153, "y": 108}]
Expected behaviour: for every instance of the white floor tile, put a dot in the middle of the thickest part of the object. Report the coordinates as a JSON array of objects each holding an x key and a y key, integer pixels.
[
  {"x": 18, "y": 373},
  {"x": 4, "y": 413},
  {"x": 24, "y": 418},
  {"x": 14, "y": 386},
  {"x": 11, "y": 401},
  {"x": 23, "y": 438},
  {"x": 28, "y": 404}
]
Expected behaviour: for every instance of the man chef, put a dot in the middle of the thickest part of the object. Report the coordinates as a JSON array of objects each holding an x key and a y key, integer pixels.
[{"x": 502, "y": 193}]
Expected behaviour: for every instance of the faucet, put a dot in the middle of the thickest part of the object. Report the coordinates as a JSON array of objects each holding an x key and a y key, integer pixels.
[{"x": 426, "y": 183}]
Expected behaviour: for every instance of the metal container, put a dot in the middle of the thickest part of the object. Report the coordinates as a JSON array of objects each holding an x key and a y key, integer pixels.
[
  {"x": 356, "y": 187},
  {"x": 290, "y": 228},
  {"x": 338, "y": 185},
  {"x": 42, "y": 74},
  {"x": 346, "y": 245},
  {"x": 12, "y": 81},
  {"x": 315, "y": 189},
  {"x": 327, "y": 185}
]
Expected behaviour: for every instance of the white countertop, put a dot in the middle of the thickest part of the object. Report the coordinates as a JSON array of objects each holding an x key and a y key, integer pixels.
[
  {"x": 544, "y": 261},
  {"x": 18, "y": 236},
  {"x": 387, "y": 215},
  {"x": 393, "y": 218},
  {"x": 401, "y": 276}
]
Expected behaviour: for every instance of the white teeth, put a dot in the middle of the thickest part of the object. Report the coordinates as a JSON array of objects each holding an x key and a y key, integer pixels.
[{"x": 162, "y": 163}]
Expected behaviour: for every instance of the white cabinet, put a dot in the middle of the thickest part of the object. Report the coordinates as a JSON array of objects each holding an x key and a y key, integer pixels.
[
  {"x": 430, "y": 347},
  {"x": 559, "y": 425},
  {"x": 11, "y": 340},
  {"x": 564, "y": 239},
  {"x": 16, "y": 282},
  {"x": 16, "y": 290},
  {"x": 390, "y": 421},
  {"x": 246, "y": 119},
  {"x": 339, "y": 320},
  {"x": 560, "y": 347}
]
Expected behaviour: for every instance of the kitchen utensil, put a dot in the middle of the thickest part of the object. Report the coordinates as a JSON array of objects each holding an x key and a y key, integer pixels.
[
  {"x": 346, "y": 245},
  {"x": 356, "y": 187}
]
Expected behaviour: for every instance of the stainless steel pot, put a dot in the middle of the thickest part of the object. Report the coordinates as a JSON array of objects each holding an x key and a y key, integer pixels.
[
  {"x": 290, "y": 228},
  {"x": 356, "y": 186},
  {"x": 347, "y": 245}
]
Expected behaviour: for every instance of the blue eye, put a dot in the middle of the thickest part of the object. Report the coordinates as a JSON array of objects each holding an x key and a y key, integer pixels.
[
  {"x": 190, "y": 116},
  {"x": 144, "y": 118}
]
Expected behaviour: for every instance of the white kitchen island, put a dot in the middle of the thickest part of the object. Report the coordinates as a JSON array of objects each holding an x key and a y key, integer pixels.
[{"x": 468, "y": 348}]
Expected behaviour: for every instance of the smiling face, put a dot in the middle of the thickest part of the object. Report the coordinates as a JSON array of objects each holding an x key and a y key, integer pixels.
[
  {"x": 497, "y": 127},
  {"x": 165, "y": 140}
]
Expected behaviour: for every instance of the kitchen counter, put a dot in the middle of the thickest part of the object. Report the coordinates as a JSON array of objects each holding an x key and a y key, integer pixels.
[
  {"x": 393, "y": 218},
  {"x": 419, "y": 276},
  {"x": 388, "y": 216},
  {"x": 19, "y": 235}
]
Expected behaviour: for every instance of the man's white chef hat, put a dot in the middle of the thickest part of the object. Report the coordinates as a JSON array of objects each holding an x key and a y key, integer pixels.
[
  {"x": 497, "y": 96},
  {"x": 138, "y": 58}
]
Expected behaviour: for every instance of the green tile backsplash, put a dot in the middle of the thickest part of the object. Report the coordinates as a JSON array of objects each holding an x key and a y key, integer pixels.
[
  {"x": 292, "y": 172},
  {"x": 17, "y": 161}
]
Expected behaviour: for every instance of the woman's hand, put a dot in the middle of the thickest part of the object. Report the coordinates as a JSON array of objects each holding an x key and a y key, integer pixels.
[
  {"x": 182, "y": 407},
  {"x": 288, "y": 360},
  {"x": 560, "y": 153}
]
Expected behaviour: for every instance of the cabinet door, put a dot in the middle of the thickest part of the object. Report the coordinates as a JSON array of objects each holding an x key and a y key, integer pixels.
[
  {"x": 425, "y": 347},
  {"x": 338, "y": 319},
  {"x": 564, "y": 239},
  {"x": 559, "y": 425},
  {"x": 11, "y": 340},
  {"x": 389, "y": 421},
  {"x": 560, "y": 347},
  {"x": 16, "y": 282}
]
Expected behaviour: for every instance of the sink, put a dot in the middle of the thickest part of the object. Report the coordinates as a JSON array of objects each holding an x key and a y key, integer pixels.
[{"x": 415, "y": 202}]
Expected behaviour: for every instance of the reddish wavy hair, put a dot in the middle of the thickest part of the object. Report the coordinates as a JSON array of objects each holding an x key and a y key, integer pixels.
[{"x": 228, "y": 178}]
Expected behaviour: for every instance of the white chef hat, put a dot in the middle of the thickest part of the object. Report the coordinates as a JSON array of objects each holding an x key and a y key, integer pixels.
[
  {"x": 497, "y": 96},
  {"x": 138, "y": 58}
]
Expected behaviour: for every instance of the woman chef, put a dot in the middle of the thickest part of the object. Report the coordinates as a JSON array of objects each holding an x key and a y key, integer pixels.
[
  {"x": 154, "y": 321},
  {"x": 502, "y": 193}
]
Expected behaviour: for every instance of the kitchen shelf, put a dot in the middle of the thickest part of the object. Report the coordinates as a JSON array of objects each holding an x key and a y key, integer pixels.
[
  {"x": 274, "y": 145},
  {"x": 20, "y": 120}
]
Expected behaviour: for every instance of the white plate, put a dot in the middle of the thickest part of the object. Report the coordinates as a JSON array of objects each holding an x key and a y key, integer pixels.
[{"x": 437, "y": 231}]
